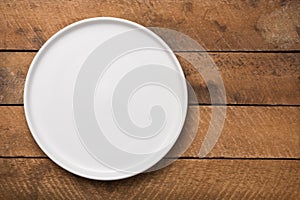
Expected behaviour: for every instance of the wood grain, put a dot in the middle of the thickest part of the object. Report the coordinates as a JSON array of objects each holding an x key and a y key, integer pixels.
[
  {"x": 13, "y": 70},
  {"x": 249, "y": 132},
  {"x": 257, "y": 155},
  {"x": 249, "y": 78},
  {"x": 216, "y": 25},
  {"x": 185, "y": 179}
]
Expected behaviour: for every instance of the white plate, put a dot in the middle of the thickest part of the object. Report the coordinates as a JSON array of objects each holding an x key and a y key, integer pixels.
[{"x": 105, "y": 98}]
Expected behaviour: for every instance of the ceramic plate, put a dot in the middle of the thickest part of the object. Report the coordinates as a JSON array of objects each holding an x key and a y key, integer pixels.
[{"x": 105, "y": 98}]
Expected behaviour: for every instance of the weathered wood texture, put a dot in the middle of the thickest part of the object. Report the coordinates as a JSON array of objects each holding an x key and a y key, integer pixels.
[
  {"x": 249, "y": 78},
  {"x": 185, "y": 179},
  {"x": 13, "y": 70},
  {"x": 234, "y": 168},
  {"x": 249, "y": 132},
  {"x": 216, "y": 25}
]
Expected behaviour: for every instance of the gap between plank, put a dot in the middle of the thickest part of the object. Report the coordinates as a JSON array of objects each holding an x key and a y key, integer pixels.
[
  {"x": 180, "y": 158},
  {"x": 182, "y": 51},
  {"x": 204, "y": 104},
  {"x": 248, "y": 105}
]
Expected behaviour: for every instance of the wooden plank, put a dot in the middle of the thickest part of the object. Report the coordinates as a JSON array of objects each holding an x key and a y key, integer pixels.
[
  {"x": 249, "y": 132},
  {"x": 15, "y": 137},
  {"x": 185, "y": 179},
  {"x": 216, "y": 25},
  {"x": 13, "y": 70},
  {"x": 249, "y": 78}
]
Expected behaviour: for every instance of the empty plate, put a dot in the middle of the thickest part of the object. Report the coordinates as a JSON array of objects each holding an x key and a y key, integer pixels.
[{"x": 105, "y": 98}]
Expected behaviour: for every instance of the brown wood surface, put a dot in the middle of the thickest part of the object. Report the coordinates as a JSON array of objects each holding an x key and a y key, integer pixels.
[
  {"x": 184, "y": 179},
  {"x": 249, "y": 132},
  {"x": 256, "y": 47},
  {"x": 216, "y": 25},
  {"x": 246, "y": 77}
]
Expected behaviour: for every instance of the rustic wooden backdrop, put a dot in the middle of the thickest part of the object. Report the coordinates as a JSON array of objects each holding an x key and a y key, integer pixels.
[{"x": 255, "y": 44}]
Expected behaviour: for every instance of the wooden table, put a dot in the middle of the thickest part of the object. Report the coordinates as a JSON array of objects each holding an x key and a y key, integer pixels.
[{"x": 256, "y": 46}]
